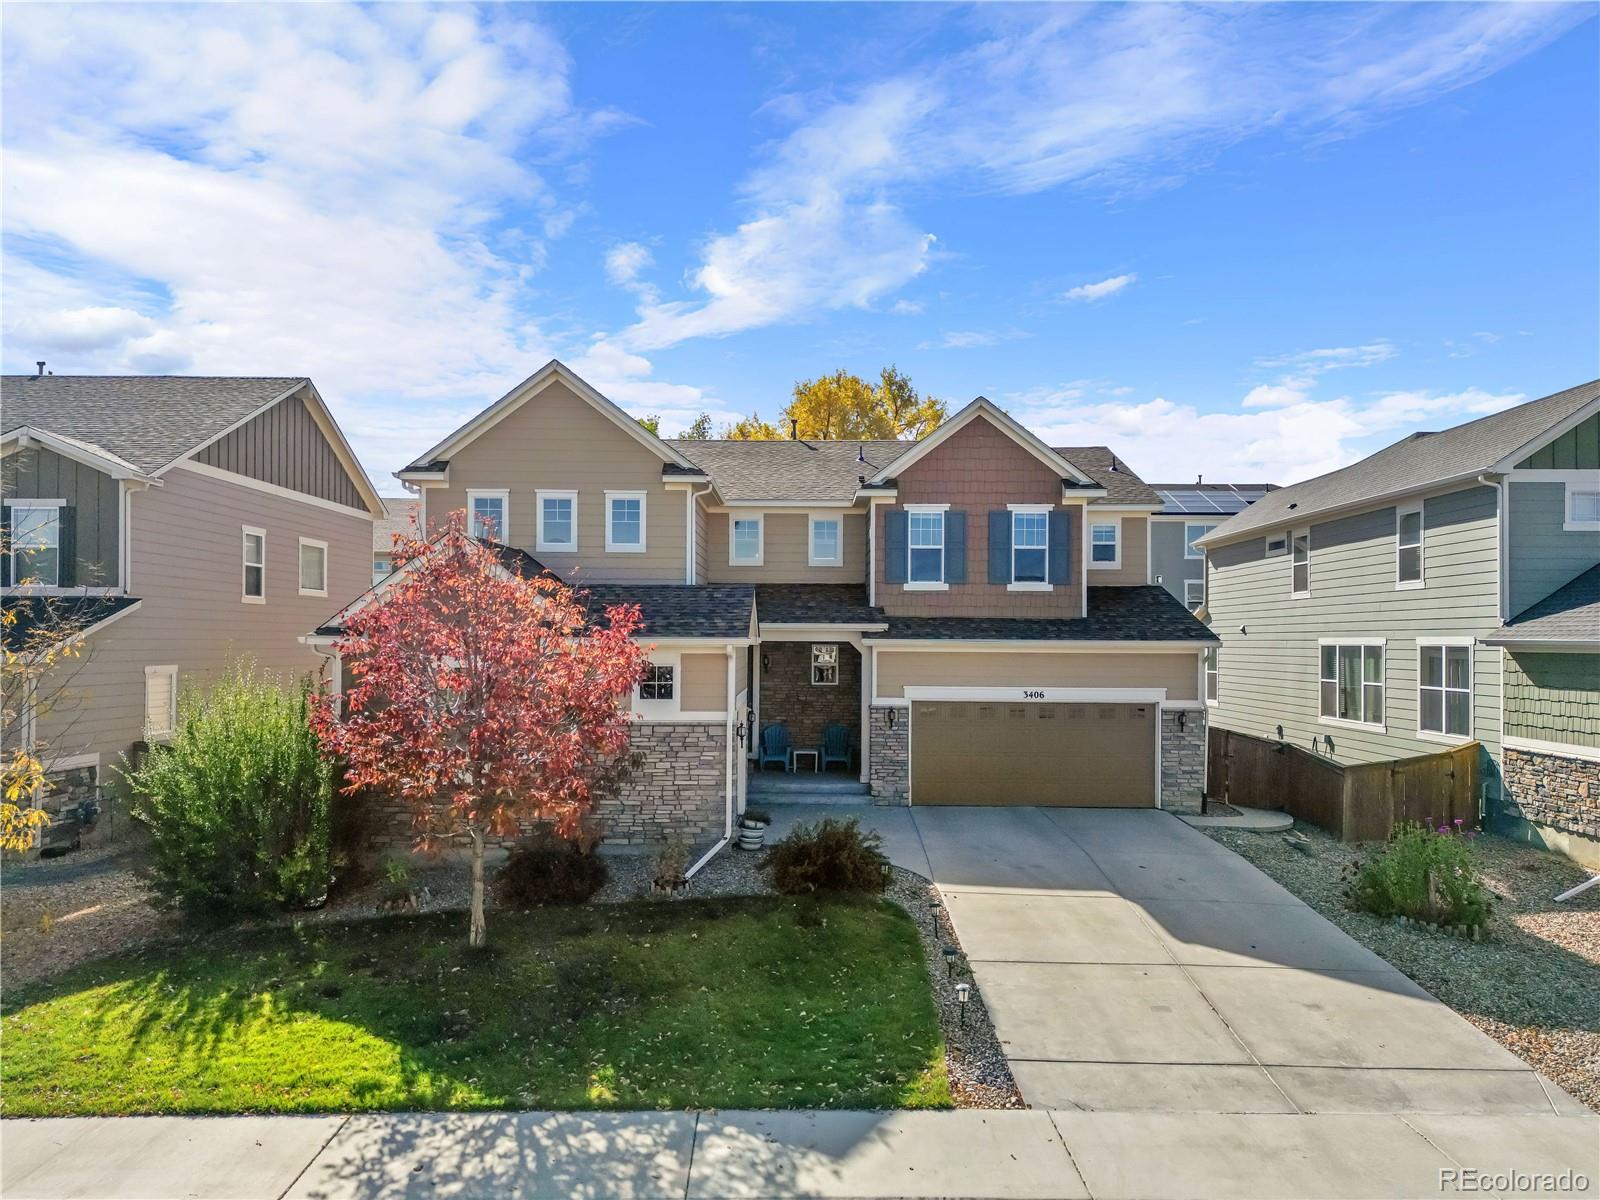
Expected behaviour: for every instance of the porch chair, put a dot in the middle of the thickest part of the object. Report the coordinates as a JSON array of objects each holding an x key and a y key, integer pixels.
[
  {"x": 775, "y": 748},
  {"x": 836, "y": 746}
]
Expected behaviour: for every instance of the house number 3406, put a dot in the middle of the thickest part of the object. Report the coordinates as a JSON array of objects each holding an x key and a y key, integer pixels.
[{"x": 1033, "y": 693}]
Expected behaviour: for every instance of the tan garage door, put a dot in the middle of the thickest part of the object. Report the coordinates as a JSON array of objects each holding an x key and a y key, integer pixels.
[{"x": 1059, "y": 755}]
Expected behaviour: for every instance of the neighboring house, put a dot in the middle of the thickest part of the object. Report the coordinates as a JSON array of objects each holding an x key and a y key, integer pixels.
[
  {"x": 1440, "y": 591},
  {"x": 1189, "y": 511},
  {"x": 191, "y": 520},
  {"x": 974, "y": 610},
  {"x": 400, "y": 518}
]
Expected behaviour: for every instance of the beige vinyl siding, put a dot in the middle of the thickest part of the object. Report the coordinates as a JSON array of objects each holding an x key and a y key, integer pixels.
[
  {"x": 1544, "y": 556},
  {"x": 705, "y": 683},
  {"x": 285, "y": 446},
  {"x": 185, "y": 558},
  {"x": 786, "y": 550},
  {"x": 556, "y": 441},
  {"x": 1553, "y": 698},
  {"x": 1177, "y": 671},
  {"x": 1269, "y": 658},
  {"x": 41, "y": 474},
  {"x": 1135, "y": 568},
  {"x": 702, "y": 523}
]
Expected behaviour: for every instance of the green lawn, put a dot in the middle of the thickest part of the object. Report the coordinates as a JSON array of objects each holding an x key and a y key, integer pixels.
[{"x": 753, "y": 1002}]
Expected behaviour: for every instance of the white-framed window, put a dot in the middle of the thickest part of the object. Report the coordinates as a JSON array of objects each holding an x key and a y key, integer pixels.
[
  {"x": 826, "y": 541},
  {"x": 1105, "y": 544},
  {"x": 1194, "y": 593},
  {"x": 746, "y": 540},
  {"x": 1030, "y": 546},
  {"x": 313, "y": 567},
  {"x": 1350, "y": 681},
  {"x": 36, "y": 542},
  {"x": 659, "y": 690},
  {"x": 660, "y": 682},
  {"x": 824, "y": 664},
  {"x": 489, "y": 514},
  {"x": 160, "y": 703},
  {"x": 1277, "y": 545},
  {"x": 1408, "y": 546},
  {"x": 1582, "y": 507},
  {"x": 1300, "y": 563},
  {"x": 557, "y": 520},
  {"x": 1211, "y": 675},
  {"x": 254, "y": 585},
  {"x": 1444, "y": 687},
  {"x": 380, "y": 568},
  {"x": 925, "y": 546},
  {"x": 625, "y": 516},
  {"x": 1192, "y": 532}
]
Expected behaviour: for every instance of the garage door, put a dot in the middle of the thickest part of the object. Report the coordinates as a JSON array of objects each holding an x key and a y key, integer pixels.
[{"x": 1089, "y": 755}]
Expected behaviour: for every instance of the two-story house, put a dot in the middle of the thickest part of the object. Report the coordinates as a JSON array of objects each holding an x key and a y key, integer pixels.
[
  {"x": 1188, "y": 512},
  {"x": 1437, "y": 592},
  {"x": 184, "y": 521},
  {"x": 974, "y": 609}
]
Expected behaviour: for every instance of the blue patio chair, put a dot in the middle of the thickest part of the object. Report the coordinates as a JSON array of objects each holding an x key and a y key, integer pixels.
[
  {"x": 836, "y": 746},
  {"x": 775, "y": 748}
]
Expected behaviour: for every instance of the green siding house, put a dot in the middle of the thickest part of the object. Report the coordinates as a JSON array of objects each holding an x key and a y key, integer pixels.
[{"x": 1443, "y": 590}]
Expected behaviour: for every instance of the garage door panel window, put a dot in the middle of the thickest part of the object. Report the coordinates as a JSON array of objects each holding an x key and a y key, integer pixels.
[
  {"x": 1444, "y": 701},
  {"x": 1351, "y": 683}
]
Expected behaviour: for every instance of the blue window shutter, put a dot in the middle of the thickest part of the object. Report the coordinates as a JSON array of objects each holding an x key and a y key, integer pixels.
[
  {"x": 955, "y": 547},
  {"x": 894, "y": 546},
  {"x": 1060, "y": 546},
  {"x": 1000, "y": 547}
]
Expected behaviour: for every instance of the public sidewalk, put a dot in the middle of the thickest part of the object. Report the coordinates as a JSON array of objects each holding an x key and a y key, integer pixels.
[{"x": 1108, "y": 1156}]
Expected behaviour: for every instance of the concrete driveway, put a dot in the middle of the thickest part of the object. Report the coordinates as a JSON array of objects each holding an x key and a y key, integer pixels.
[{"x": 1132, "y": 964}]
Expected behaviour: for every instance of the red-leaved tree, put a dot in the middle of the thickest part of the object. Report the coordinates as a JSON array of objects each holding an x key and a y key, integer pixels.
[{"x": 482, "y": 697}]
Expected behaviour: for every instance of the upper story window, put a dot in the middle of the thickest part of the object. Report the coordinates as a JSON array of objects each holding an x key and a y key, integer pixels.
[
  {"x": 1193, "y": 532},
  {"x": 1351, "y": 682},
  {"x": 380, "y": 568},
  {"x": 488, "y": 516},
  {"x": 35, "y": 543},
  {"x": 827, "y": 542},
  {"x": 1444, "y": 701},
  {"x": 925, "y": 545},
  {"x": 1105, "y": 544},
  {"x": 1408, "y": 546},
  {"x": 1300, "y": 562},
  {"x": 558, "y": 520},
  {"x": 1582, "y": 508},
  {"x": 1211, "y": 674},
  {"x": 313, "y": 567},
  {"x": 255, "y": 566},
  {"x": 625, "y": 522},
  {"x": 1194, "y": 593},
  {"x": 1030, "y": 546},
  {"x": 745, "y": 542}
]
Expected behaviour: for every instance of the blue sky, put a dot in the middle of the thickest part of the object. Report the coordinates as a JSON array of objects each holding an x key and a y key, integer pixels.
[{"x": 1249, "y": 242}]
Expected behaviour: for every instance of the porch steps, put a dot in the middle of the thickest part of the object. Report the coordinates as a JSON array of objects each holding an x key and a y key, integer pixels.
[{"x": 804, "y": 787}]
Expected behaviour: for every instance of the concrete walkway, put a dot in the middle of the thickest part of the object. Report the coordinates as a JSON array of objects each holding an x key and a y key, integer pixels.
[
  {"x": 1107, "y": 1156},
  {"x": 1131, "y": 964}
]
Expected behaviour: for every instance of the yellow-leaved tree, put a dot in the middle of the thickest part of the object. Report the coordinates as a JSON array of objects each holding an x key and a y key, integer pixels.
[{"x": 843, "y": 406}]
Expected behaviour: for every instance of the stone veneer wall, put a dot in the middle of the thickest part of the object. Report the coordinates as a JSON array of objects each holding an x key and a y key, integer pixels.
[
  {"x": 1553, "y": 790},
  {"x": 679, "y": 787},
  {"x": 889, "y": 774},
  {"x": 1183, "y": 758}
]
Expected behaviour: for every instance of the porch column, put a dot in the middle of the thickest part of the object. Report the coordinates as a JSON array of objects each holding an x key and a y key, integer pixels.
[{"x": 869, "y": 681}]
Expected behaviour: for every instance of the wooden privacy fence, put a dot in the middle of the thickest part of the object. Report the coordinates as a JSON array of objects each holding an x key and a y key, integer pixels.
[{"x": 1361, "y": 802}]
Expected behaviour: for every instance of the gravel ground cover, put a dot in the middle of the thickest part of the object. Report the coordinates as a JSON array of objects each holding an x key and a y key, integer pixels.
[{"x": 1532, "y": 983}]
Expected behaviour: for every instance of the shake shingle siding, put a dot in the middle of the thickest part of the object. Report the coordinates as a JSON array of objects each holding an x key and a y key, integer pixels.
[
  {"x": 1544, "y": 556},
  {"x": 1554, "y": 698},
  {"x": 1269, "y": 673}
]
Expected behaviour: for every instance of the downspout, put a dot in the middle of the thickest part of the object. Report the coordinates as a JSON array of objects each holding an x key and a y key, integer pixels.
[
  {"x": 727, "y": 758},
  {"x": 1502, "y": 496}
]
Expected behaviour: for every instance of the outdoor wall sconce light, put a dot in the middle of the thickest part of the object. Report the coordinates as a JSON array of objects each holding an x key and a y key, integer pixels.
[
  {"x": 766, "y": 662},
  {"x": 891, "y": 715},
  {"x": 949, "y": 962},
  {"x": 963, "y": 994},
  {"x": 1241, "y": 629},
  {"x": 740, "y": 730},
  {"x": 1181, "y": 720},
  {"x": 1280, "y": 734},
  {"x": 1327, "y": 742}
]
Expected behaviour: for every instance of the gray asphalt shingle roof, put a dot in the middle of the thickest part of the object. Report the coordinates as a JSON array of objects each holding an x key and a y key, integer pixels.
[
  {"x": 790, "y": 470},
  {"x": 711, "y": 610},
  {"x": 1122, "y": 485},
  {"x": 1145, "y": 613},
  {"x": 815, "y": 604},
  {"x": 400, "y": 516},
  {"x": 149, "y": 420},
  {"x": 1571, "y": 613},
  {"x": 39, "y": 619},
  {"x": 1415, "y": 462}
]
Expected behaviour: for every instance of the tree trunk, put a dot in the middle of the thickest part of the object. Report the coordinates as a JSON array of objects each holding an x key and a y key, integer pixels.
[{"x": 478, "y": 936}]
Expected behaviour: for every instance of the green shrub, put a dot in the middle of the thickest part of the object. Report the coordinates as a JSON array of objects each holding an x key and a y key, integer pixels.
[
  {"x": 832, "y": 856},
  {"x": 239, "y": 804},
  {"x": 1429, "y": 875},
  {"x": 549, "y": 869}
]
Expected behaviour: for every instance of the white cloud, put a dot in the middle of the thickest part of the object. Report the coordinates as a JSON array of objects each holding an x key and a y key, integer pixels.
[
  {"x": 1100, "y": 290},
  {"x": 906, "y": 308},
  {"x": 625, "y": 261},
  {"x": 76, "y": 330},
  {"x": 1333, "y": 358},
  {"x": 972, "y": 339}
]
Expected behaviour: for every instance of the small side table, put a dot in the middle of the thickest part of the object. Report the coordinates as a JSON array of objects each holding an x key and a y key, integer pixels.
[{"x": 816, "y": 757}]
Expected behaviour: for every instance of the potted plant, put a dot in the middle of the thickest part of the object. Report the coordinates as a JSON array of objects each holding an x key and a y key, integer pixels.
[{"x": 753, "y": 828}]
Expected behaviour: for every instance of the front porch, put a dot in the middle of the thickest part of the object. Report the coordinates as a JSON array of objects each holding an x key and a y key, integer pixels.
[{"x": 808, "y": 705}]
